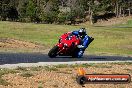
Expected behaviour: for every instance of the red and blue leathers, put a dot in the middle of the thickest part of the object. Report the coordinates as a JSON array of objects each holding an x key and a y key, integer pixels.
[{"x": 84, "y": 43}]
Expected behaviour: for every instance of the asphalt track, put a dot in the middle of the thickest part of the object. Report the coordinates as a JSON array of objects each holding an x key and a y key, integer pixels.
[{"x": 11, "y": 60}]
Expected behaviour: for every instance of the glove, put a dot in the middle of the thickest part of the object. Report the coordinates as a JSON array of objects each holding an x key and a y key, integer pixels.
[{"x": 80, "y": 46}]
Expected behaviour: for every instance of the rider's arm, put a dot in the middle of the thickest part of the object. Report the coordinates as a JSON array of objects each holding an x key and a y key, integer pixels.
[{"x": 75, "y": 33}]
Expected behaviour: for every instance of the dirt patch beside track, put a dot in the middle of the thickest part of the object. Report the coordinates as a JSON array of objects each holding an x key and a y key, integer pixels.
[{"x": 14, "y": 43}]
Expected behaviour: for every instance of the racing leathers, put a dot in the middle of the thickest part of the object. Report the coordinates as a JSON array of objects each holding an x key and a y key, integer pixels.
[{"x": 83, "y": 45}]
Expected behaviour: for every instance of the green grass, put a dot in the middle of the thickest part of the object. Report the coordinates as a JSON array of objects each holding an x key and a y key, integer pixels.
[
  {"x": 40, "y": 87},
  {"x": 128, "y": 24},
  {"x": 50, "y": 68},
  {"x": 90, "y": 65},
  {"x": 39, "y": 68},
  {"x": 124, "y": 24},
  {"x": 27, "y": 74},
  {"x": 61, "y": 66},
  {"x": 114, "y": 41},
  {"x": 122, "y": 63},
  {"x": 21, "y": 68}
]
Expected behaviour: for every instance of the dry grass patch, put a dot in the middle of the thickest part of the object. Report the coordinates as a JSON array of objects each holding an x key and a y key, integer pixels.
[
  {"x": 3, "y": 72},
  {"x": 63, "y": 76},
  {"x": 50, "y": 68},
  {"x": 27, "y": 74}
]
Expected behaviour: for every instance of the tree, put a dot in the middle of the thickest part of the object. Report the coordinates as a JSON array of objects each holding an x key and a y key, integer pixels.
[
  {"x": 31, "y": 10},
  {"x": 12, "y": 13},
  {"x": 4, "y": 9},
  {"x": 22, "y": 10},
  {"x": 54, "y": 11},
  {"x": 51, "y": 11},
  {"x": 76, "y": 10}
]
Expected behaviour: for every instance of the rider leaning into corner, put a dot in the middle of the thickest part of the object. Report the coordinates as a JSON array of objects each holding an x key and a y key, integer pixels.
[{"x": 81, "y": 33}]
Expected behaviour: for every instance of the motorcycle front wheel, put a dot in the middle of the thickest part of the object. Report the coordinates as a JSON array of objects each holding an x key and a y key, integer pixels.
[{"x": 53, "y": 52}]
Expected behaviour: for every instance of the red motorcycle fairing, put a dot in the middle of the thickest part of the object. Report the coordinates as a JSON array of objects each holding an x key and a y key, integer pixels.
[{"x": 67, "y": 44}]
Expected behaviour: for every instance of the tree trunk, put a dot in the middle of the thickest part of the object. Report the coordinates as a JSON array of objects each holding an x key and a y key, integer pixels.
[
  {"x": 123, "y": 12},
  {"x": 62, "y": 3},
  {"x": 117, "y": 9},
  {"x": 91, "y": 18},
  {"x": 89, "y": 10},
  {"x": 129, "y": 12},
  {"x": 120, "y": 12}
]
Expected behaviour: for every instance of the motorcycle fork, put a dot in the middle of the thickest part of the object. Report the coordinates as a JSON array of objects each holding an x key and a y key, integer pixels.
[{"x": 60, "y": 51}]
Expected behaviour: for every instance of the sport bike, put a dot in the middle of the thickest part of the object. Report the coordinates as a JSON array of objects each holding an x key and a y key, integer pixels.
[{"x": 66, "y": 46}]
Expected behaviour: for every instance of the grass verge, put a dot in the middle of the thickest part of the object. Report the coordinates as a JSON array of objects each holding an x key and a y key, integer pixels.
[{"x": 115, "y": 41}]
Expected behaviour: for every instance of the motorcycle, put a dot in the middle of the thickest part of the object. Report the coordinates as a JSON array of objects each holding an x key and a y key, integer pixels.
[{"x": 67, "y": 46}]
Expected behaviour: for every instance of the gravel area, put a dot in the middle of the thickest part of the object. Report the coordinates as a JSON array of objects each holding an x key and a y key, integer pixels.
[{"x": 64, "y": 77}]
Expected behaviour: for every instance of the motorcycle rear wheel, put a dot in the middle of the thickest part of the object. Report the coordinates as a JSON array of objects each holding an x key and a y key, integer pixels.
[{"x": 53, "y": 52}]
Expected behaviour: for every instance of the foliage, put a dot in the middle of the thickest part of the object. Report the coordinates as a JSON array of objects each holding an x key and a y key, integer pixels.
[
  {"x": 31, "y": 10},
  {"x": 53, "y": 11}
]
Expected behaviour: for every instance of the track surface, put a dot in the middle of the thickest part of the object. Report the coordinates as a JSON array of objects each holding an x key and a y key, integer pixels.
[{"x": 10, "y": 60}]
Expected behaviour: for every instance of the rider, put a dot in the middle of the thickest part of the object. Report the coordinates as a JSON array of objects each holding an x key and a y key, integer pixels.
[{"x": 81, "y": 33}]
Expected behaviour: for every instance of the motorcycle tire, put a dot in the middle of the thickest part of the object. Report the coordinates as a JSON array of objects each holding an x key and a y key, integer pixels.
[{"x": 53, "y": 52}]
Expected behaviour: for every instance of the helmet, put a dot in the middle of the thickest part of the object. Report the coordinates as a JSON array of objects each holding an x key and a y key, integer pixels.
[{"x": 82, "y": 31}]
